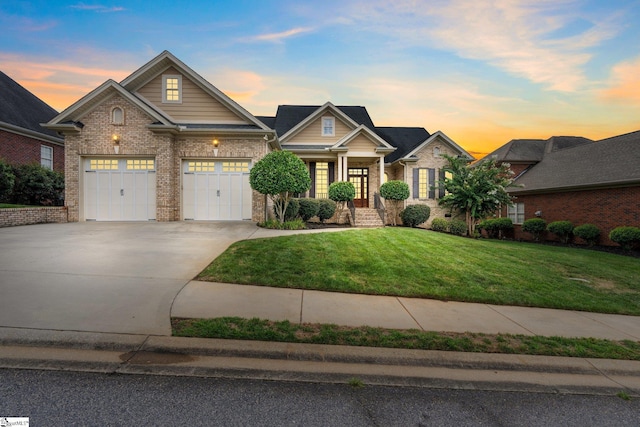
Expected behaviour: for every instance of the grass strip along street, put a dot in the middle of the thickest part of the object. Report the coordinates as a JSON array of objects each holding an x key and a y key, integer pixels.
[
  {"x": 284, "y": 331},
  {"x": 407, "y": 262}
]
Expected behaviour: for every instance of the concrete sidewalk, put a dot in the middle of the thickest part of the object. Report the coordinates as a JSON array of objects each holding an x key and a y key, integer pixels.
[{"x": 210, "y": 300}]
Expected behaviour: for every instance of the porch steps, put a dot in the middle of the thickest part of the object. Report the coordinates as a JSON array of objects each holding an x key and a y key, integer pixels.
[{"x": 368, "y": 217}]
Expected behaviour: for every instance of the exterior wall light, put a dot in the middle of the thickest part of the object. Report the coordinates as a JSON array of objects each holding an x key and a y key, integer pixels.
[
  {"x": 116, "y": 143},
  {"x": 215, "y": 143}
]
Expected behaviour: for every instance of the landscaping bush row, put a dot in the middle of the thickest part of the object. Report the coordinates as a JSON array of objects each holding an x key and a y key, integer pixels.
[
  {"x": 299, "y": 211},
  {"x": 30, "y": 185},
  {"x": 626, "y": 236}
]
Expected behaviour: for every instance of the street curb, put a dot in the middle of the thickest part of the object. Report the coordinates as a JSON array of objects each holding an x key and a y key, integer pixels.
[{"x": 177, "y": 356}]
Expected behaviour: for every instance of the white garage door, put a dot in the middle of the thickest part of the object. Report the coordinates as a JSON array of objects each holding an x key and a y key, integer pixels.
[
  {"x": 119, "y": 189},
  {"x": 216, "y": 190}
]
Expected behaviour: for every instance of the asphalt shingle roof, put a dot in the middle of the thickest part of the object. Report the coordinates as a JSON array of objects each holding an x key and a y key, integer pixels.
[
  {"x": 610, "y": 161},
  {"x": 21, "y": 108},
  {"x": 405, "y": 139},
  {"x": 288, "y": 116}
]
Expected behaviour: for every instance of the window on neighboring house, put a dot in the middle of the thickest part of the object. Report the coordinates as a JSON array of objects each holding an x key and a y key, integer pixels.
[
  {"x": 322, "y": 180},
  {"x": 46, "y": 156},
  {"x": 423, "y": 183},
  {"x": 172, "y": 89},
  {"x": 117, "y": 116},
  {"x": 328, "y": 126},
  {"x": 516, "y": 213}
]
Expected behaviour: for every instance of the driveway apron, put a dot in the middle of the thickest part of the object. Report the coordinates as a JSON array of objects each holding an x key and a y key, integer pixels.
[{"x": 117, "y": 277}]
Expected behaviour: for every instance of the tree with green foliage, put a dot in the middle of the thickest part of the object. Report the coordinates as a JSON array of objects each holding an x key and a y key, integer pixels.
[
  {"x": 7, "y": 180},
  {"x": 36, "y": 185},
  {"x": 280, "y": 175},
  {"x": 341, "y": 192},
  {"x": 394, "y": 192},
  {"x": 476, "y": 190}
]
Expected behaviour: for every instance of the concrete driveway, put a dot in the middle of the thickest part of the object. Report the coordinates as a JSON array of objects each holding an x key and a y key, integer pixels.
[{"x": 104, "y": 277}]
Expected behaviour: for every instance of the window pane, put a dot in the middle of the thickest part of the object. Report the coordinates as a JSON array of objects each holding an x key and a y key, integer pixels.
[
  {"x": 423, "y": 183},
  {"x": 202, "y": 167},
  {"x": 141, "y": 164},
  {"x": 322, "y": 180},
  {"x": 235, "y": 166},
  {"x": 103, "y": 164}
]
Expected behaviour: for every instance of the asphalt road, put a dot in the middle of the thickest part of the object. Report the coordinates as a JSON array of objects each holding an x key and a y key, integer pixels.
[{"x": 69, "y": 398}]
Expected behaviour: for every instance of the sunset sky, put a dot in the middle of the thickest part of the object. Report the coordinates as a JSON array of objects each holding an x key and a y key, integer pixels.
[{"x": 483, "y": 72}]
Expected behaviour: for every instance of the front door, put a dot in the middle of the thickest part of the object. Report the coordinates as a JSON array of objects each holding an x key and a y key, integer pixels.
[{"x": 360, "y": 179}]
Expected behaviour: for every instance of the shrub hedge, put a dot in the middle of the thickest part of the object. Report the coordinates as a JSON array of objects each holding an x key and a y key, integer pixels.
[
  {"x": 562, "y": 229},
  {"x": 440, "y": 224},
  {"x": 414, "y": 215},
  {"x": 587, "y": 232},
  {"x": 627, "y": 237}
]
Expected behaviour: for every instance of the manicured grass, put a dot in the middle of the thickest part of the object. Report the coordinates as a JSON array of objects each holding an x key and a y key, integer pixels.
[
  {"x": 264, "y": 330},
  {"x": 9, "y": 206},
  {"x": 420, "y": 263}
]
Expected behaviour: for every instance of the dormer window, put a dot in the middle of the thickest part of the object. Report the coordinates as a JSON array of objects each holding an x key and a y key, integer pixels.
[
  {"x": 172, "y": 89},
  {"x": 328, "y": 126},
  {"x": 436, "y": 151},
  {"x": 117, "y": 116}
]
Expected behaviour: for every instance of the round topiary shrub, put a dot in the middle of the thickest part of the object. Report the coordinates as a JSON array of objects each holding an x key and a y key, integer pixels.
[
  {"x": 440, "y": 224},
  {"x": 562, "y": 229},
  {"x": 326, "y": 209},
  {"x": 414, "y": 215},
  {"x": 587, "y": 232},
  {"x": 627, "y": 237},
  {"x": 490, "y": 226},
  {"x": 535, "y": 226},
  {"x": 308, "y": 208},
  {"x": 458, "y": 227},
  {"x": 292, "y": 209},
  {"x": 394, "y": 192}
]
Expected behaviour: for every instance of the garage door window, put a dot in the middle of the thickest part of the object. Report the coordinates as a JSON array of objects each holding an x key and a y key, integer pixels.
[
  {"x": 143, "y": 164},
  {"x": 202, "y": 166},
  {"x": 235, "y": 166},
  {"x": 103, "y": 164}
]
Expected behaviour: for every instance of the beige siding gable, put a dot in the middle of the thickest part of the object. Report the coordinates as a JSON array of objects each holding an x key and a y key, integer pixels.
[
  {"x": 197, "y": 105},
  {"x": 312, "y": 133},
  {"x": 361, "y": 144}
]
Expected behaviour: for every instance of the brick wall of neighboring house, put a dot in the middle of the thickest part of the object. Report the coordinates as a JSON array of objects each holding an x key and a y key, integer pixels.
[
  {"x": 18, "y": 149},
  {"x": 136, "y": 140},
  {"x": 605, "y": 208},
  {"x": 26, "y": 216}
]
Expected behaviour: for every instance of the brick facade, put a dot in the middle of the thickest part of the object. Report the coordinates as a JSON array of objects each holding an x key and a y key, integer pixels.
[
  {"x": 26, "y": 216},
  {"x": 168, "y": 150},
  {"x": 606, "y": 208},
  {"x": 18, "y": 149}
]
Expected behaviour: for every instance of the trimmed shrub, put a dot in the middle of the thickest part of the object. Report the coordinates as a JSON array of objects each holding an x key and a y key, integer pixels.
[
  {"x": 458, "y": 227},
  {"x": 394, "y": 192},
  {"x": 495, "y": 227},
  {"x": 341, "y": 192},
  {"x": 292, "y": 209},
  {"x": 587, "y": 232},
  {"x": 35, "y": 185},
  {"x": 7, "y": 180},
  {"x": 440, "y": 224},
  {"x": 562, "y": 229},
  {"x": 308, "y": 208},
  {"x": 627, "y": 237},
  {"x": 326, "y": 209},
  {"x": 535, "y": 226},
  {"x": 414, "y": 215}
]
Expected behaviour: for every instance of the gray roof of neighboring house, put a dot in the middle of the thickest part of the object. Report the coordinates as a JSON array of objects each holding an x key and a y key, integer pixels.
[
  {"x": 611, "y": 161},
  {"x": 21, "y": 108},
  {"x": 533, "y": 150},
  {"x": 405, "y": 139}
]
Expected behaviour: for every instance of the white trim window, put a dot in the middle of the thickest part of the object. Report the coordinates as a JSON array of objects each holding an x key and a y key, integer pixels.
[
  {"x": 329, "y": 126},
  {"x": 117, "y": 116},
  {"x": 172, "y": 89},
  {"x": 516, "y": 213},
  {"x": 46, "y": 156}
]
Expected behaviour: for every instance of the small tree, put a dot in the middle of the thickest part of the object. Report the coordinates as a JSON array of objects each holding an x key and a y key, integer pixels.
[
  {"x": 395, "y": 192},
  {"x": 478, "y": 190},
  {"x": 341, "y": 192},
  {"x": 36, "y": 185},
  {"x": 280, "y": 175}
]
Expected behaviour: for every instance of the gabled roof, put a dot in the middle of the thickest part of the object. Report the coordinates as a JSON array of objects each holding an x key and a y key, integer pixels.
[
  {"x": 166, "y": 60},
  {"x": 70, "y": 117},
  {"x": 439, "y": 136},
  {"x": 291, "y": 118},
  {"x": 382, "y": 145},
  {"x": 609, "y": 162},
  {"x": 21, "y": 111},
  {"x": 405, "y": 139},
  {"x": 533, "y": 150}
]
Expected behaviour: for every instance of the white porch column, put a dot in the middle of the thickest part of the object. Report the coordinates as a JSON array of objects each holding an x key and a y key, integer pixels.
[
  {"x": 345, "y": 170},
  {"x": 340, "y": 159},
  {"x": 381, "y": 172}
]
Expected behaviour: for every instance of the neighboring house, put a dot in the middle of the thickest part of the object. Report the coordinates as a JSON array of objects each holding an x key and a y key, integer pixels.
[
  {"x": 575, "y": 179},
  {"x": 164, "y": 144},
  {"x": 22, "y": 139}
]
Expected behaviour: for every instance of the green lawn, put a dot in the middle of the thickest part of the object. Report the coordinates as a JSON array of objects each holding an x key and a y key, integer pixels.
[{"x": 419, "y": 263}]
